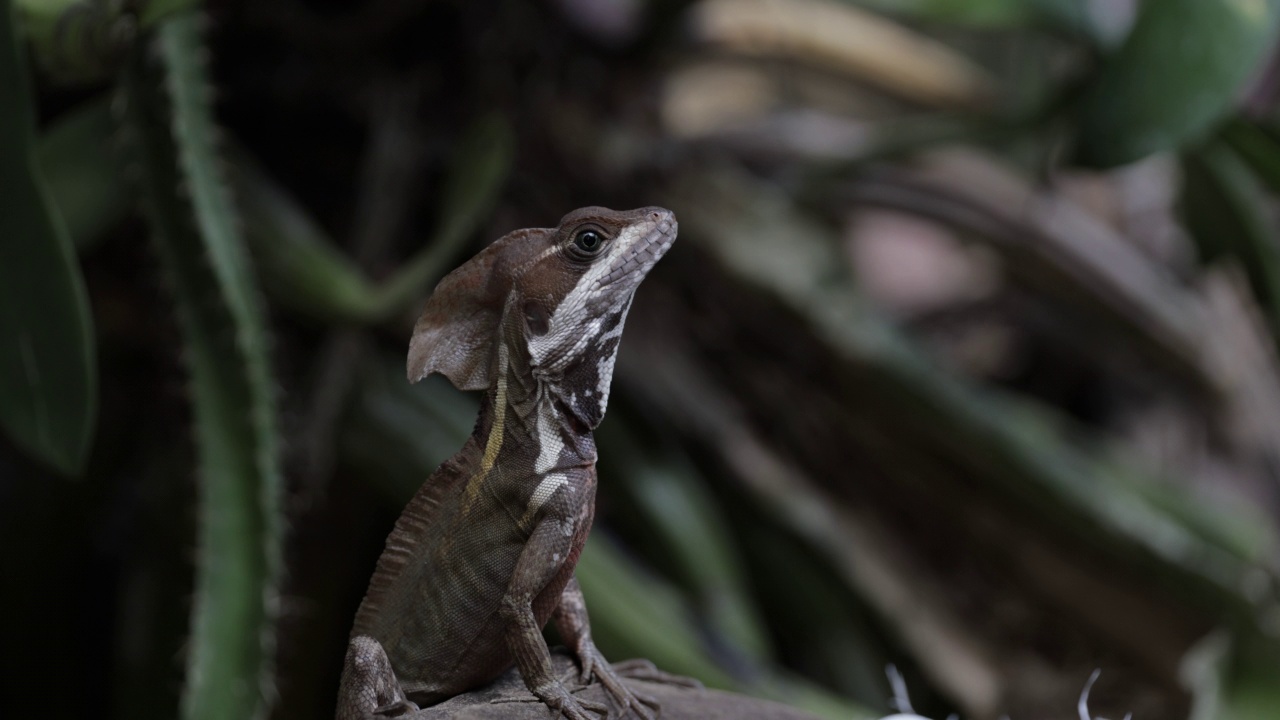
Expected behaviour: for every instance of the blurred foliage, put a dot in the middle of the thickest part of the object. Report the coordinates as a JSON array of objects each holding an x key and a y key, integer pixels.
[
  {"x": 1158, "y": 90},
  {"x": 48, "y": 370},
  {"x": 170, "y": 140},
  {"x": 920, "y": 384}
]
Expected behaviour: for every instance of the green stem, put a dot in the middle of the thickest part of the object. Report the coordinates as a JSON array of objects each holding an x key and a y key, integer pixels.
[{"x": 168, "y": 117}]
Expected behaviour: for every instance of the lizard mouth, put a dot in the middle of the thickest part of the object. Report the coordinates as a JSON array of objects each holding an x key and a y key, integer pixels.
[
  {"x": 634, "y": 259},
  {"x": 665, "y": 229}
]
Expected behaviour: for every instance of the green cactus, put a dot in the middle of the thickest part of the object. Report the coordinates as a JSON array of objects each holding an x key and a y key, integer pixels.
[{"x": 168, "y": 121}]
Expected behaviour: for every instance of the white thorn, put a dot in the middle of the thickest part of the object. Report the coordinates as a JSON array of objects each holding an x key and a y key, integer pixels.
[
  {"x": 901, "y": 702},
  {"x": 1082, "y": 707}
]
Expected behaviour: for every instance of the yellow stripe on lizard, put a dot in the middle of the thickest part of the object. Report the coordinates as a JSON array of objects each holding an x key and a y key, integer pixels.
[{"x": 496, "y": 431}]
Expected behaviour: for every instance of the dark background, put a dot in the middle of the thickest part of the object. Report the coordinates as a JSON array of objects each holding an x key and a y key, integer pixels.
[{"x": 964, "y": 363}]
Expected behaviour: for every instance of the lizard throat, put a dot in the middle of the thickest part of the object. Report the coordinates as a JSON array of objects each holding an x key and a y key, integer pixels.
[{"x": 530, "y": 439}]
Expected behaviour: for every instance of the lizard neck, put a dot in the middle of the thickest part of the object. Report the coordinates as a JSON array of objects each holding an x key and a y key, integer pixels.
[{"x": 532, "y": 422}]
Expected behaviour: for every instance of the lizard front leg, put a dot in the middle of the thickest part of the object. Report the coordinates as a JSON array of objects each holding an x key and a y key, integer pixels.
[
  {"x": 544, "y": 555},
  {"x": 369, "y": 688},
  {"x": 571, "y": 622}
]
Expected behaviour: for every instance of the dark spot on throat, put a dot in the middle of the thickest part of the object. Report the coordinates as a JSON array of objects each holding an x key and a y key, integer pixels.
[
  {"x": 536, "y": 319},
  {"x": 612, "y": 321},
  {"x": 580, "y": 422}
]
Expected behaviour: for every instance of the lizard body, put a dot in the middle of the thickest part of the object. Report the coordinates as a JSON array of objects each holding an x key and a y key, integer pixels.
[{"x": 483, "y": 556}]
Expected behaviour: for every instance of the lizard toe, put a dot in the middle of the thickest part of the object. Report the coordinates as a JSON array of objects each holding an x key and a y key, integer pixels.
[
  {"x": 564, "y": 704},
  {"x": 396, "y": 708},
  {"x": 629, "y": 700},
  {"x": 642, "y": 705}
]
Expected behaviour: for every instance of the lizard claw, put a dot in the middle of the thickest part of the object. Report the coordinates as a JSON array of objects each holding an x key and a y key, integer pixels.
[
  {"x": 593, "y": 663},
  {"x": 396, "y": 708},
  {"x": 557, "y": 698},
  {"x": 588, "y": 660}
]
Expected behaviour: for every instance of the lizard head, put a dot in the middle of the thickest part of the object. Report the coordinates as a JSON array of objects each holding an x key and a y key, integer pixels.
[{"x": 550, "y": 299}]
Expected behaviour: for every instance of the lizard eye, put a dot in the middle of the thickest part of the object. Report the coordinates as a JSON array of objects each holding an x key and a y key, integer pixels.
[{"x": 588, "y": 241}]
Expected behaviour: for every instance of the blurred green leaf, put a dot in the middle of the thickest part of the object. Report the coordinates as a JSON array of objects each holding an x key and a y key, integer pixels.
[
  {"x": 302, "y": 267},
  {"x": 1256, "y": 147},
  {"x": 479, "y": 171},
  {"x": 1069, "y": 14},
  {"x": 1232, "y": 680},
  {"x": 83, "y": 177},
  {"x": 1251, "y": 691},
  {"x": 48, "y": 366},
  {"x": 626, "y": 607},
  {"x": 1225, "y": 209},
  {"x": 1178, "y": 72},
  {"x": 992, "y": 13},
  {"x": 72, "y": 40},
  {"x": 397, "y": 433},
  {"x": 80, "y": 41},
  {"x": 1244, "y": 532},
  {"x": 156, "y": 10},
  {"x": 1014, "y": 452},
  {"x": 1070, "y": 255},
  {"x": 827, "y": 630},
  {"x": 670, "y": 501},
  {"x": 306, "y": 270},
  {"x": 633, "y": 614}
]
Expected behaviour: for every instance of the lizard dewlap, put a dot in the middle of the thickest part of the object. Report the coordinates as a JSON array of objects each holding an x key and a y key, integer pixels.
[{"x": 483, "y": 556}]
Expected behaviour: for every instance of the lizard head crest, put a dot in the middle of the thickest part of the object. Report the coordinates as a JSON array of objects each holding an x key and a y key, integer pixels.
[{"x": 556, "y": 297}]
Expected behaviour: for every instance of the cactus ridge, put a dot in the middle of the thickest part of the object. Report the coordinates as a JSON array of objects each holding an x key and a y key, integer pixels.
[{"x": 167, "y": 120}]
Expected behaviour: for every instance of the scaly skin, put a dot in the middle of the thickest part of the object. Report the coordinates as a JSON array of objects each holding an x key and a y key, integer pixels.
[{"x": 483, "y": 556}]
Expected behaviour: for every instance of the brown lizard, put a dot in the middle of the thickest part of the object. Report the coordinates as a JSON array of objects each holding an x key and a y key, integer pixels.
[{"x": 483, "y": 556}]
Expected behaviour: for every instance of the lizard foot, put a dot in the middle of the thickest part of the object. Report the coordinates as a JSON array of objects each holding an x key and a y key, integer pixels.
[
  {"x": 558, "y": 698},
  {"x": 562, "y": 702},
  {"x": 593, "y": 663},
  {"x": 369, "y": 688}
]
